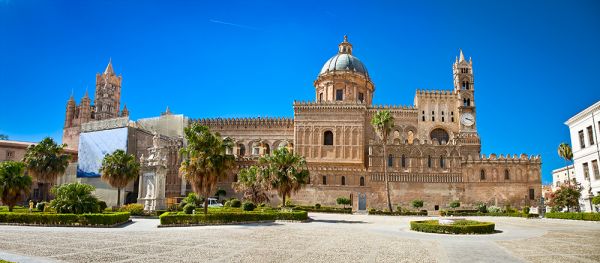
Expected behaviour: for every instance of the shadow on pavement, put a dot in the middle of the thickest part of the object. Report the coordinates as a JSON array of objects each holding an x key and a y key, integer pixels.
[{"x": 331, "y": 221}]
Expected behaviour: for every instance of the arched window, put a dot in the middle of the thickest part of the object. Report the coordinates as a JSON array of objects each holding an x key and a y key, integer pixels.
[
  {"x": 390, "y": 161},
  {"x": 328, "y": 138},
  {"x": 241, "y": 149},
  {"x": 362, "y": 181},
  {"x": 324, "y": 180},
  {"x": 440, "y": 135},
  {"x": 442, "y": 162},
  {"x": 403, "y": 161},
  {"x": 506, "y": 175},
  {"x": 267, "y": 149},
  {"x": 429, "y": 161},
  {"x": 482, "y": 175},
  {"x": 343, "y": 180}
]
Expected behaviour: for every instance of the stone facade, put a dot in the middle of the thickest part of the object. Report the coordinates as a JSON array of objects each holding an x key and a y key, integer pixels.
[{"x": 433, "y": 149}]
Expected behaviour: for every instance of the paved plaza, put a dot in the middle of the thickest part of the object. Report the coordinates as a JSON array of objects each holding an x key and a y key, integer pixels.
[{"x": 328, "y": 238}]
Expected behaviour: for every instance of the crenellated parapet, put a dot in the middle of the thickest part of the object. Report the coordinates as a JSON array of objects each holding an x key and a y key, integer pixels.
[
  {"x": 271, "y": 122},
  {"x": 508, "y": 158},
  {"x": 435, "y": 94}
]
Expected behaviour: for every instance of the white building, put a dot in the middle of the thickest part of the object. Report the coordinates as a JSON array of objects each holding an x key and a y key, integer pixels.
[
  {"x": 584, "y": 128},
  {"x": 562, "y": 176}
]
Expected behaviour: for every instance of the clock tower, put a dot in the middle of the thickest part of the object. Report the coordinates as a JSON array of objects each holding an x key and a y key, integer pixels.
[{"x": 462, "y": 71}]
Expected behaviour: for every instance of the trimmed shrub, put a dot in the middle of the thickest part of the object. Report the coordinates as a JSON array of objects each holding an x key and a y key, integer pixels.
[
  {"x": 227, "y": 204},
  {"x": 454, "y": 204},
  {"x": 102, "y": 205},
  {"x": 40, "y": 206},
  {"x": 318, "y": 206},
  {"x": 235, "y": 203},
  {"x": 417, "y": 203},
  {"x": 494, "y": 209},
  {"x": 133, "y": 209},
  {"x": 460, "y": 227},
  {"x": 343, "y": 201},
  {"x": 171, "y": 218},
  {"x": 189, "y": 208},
  {"x": 482, "y": 208},
  {"x": 525, "y": 210},
  {"x": 104, "y": 219},
  {"x": 574, "y": 216},
  {"x": 248, "y": 206}
]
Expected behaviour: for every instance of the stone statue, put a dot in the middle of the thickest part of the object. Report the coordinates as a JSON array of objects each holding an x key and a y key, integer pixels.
[{"x": 156, "y": 141}]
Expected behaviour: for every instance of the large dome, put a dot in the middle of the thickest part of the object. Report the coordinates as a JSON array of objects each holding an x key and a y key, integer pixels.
[{"x": 344, "y": 62}]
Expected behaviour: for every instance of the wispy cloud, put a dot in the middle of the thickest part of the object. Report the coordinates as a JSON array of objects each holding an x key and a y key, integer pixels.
[{"x": 232, "y": 24}]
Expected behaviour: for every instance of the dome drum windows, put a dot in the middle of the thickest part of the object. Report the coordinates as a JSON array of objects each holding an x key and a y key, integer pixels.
[
  {"x": 482, "y": 175},
  {"x": 339, "y": 94},
  {"x": 390, "y": 161}
]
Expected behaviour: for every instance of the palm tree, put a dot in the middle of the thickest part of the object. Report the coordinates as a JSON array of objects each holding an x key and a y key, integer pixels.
[
  {"x": 254, "y": 185},
  {"x": 118, "y": 169},
  {"x": 383, "y": 121},
  {"x": 285, "y": 171},
  {"x": 14, "y": 184},
  {"x": 566, "y": 153},
  {"x": 46, "y": 161},
  {"x": 205, "y": 160}
]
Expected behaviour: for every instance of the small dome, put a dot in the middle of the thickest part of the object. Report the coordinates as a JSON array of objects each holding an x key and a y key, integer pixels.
[{"x": 344, "y": 62}]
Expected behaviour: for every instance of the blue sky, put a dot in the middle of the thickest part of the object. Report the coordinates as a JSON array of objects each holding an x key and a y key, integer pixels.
[{"x": 536, "y": 63}]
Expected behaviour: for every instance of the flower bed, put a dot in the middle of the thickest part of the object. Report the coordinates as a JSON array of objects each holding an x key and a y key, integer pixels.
[
  {"x": 53, "y": 219},
  {"x": 226, "y": 217},
  {"x": 574, "y": 216},
  {"x": 325, "y": 209},
  {"x": 459, "y": 227}
]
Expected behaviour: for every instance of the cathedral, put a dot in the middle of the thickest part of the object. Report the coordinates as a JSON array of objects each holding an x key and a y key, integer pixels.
[{"x": 433, "y": 151}]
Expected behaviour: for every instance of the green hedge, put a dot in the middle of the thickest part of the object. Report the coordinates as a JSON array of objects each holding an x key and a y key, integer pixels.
[
  {"x": 574, "y": 216},
  {"x": 172, "y": 218},
  {"x": 461, "y": 213},
  {"x": 466, "y": 227},
  {"x": 325, "y": 209},
  {"x": 105, "y": 219},
  {"x": 403, "y": 213}
]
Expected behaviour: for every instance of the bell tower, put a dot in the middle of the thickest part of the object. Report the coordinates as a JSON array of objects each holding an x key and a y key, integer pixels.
[
  {"x": 464, "y": 87},
  {"x": 108, "y": 94}
]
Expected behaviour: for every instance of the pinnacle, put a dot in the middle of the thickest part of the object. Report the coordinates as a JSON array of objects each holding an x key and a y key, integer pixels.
[{"x": 462, "y": 57}]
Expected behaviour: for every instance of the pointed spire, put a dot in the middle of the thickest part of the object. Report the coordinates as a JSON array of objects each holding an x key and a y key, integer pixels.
[
  {"x": 462, "y": 57},
  {"x": 71, "y": 98},
  {"x": 109, "y": 68},
  {"x": 86, "y": 96}
]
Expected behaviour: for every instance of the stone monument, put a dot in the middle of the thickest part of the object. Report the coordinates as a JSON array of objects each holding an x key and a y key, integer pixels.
[{"x": 152, "y": 182}]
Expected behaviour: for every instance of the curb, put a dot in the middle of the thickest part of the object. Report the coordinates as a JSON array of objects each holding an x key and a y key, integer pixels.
[{"x": 50, "y": 225}]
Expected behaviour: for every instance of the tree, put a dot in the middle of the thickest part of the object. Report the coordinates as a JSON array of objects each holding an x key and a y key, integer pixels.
[
  {"x": 205, "y": 160},
  {"x": 417, "y": 203},
  {"x": 454, "y": 204},
  {"x": 383, "y": 121},
  {"x": 3, "y": 137},
  {"x": 46, "y": 161},
  {"x": 343, "y": 201},
  {"x": 14, "y": 184},
  {"x": 75, "y": 198},
  {"x": 118, "y": 169},
  {"x": 596, "y": 200},
  {"x": 285, "y": 171},
  {"x": 566, "y": 153},
  {"x": 566, "y": 196},
  {"x": 253, "y": 184}
]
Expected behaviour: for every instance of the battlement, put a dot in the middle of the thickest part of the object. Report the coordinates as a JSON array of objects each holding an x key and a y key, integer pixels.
[
  {"x": 494, "y": 158},
  {"x": 284, "y": 122},
  {"x": 435, "y": 93},
  {"x": 392, "y": 107}
]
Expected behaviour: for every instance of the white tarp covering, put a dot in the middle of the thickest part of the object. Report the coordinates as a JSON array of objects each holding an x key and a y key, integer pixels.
[{"x": 94, "y": 145}]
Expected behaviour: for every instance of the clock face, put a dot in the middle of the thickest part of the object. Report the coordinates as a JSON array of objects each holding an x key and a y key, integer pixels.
[{"x": 467, "y": 119}]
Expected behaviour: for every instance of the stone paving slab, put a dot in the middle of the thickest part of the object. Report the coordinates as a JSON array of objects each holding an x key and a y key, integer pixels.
[{"x": 328, "y": 238}]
